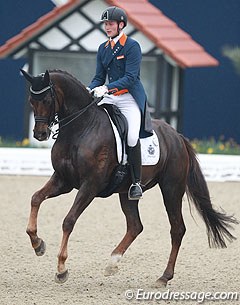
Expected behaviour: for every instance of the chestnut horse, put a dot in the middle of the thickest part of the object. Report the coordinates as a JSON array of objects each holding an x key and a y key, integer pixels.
[{"x": 84, "y": 157}]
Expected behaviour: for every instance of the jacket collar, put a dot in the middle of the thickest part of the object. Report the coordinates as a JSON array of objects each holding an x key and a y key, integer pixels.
[{"x": 122, "y": 38}]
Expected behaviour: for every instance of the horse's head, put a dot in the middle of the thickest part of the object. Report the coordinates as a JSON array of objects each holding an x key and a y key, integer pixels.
[{"x": 42, "y": 100}]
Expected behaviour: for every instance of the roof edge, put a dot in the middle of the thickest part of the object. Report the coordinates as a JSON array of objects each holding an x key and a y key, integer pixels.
[{"x": 12, "y": 44}]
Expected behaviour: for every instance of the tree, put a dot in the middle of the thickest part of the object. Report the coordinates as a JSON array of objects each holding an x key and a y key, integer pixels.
[{"x": 233, "y": 53}]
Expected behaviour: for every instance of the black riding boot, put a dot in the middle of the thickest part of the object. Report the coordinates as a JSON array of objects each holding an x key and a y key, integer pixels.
[{"x": 135, "y": 162}]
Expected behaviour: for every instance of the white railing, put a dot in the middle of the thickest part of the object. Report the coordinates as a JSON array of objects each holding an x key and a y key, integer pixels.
[
  {"x": 25, "y": 161},
  {"x": 37, "y": 161}
]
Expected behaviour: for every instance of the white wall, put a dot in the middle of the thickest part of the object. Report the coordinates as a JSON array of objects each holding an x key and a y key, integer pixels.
[{"x": 36, "y": 161}]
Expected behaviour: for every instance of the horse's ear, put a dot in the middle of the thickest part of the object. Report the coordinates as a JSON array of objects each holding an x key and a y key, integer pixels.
[
  {"x": 28, "y": 76},
  {"x": 46, "y": 78}
]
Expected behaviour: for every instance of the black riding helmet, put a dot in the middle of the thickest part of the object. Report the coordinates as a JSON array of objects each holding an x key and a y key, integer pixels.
[{"x": 114, "y": 13}]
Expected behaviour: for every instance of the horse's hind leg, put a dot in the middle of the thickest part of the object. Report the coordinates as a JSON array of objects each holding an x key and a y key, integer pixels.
[
  {"x": 172, "y": 195},
  {"x": 52, "y": 188},
  {"x": 134, "y": 228}
]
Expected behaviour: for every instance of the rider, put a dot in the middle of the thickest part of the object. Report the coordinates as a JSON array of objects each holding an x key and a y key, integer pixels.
[{"x": 120, "y": 58}]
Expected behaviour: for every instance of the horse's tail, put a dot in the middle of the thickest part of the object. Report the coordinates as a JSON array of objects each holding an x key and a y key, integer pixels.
[{"x": 217, "y": 223}]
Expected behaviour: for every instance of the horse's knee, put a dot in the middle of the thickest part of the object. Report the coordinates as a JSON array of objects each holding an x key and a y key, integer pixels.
[{"x": 36, "y": 199}]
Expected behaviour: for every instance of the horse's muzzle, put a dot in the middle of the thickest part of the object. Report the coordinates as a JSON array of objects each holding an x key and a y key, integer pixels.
[{"x": 41, "y": 134}]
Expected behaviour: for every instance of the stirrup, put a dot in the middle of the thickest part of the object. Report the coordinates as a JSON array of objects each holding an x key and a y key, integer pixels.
[{"x": 135, "y": 192}]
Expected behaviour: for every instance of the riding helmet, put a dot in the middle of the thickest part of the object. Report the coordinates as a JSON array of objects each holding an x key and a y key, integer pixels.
[{"x": 114, "y": 13}]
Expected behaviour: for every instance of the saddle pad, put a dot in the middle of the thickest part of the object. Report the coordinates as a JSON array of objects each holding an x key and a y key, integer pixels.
[{"x": 150, "y": 149}]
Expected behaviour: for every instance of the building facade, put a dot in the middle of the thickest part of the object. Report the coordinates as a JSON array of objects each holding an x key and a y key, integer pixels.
[{"x": 68, "y": 36}]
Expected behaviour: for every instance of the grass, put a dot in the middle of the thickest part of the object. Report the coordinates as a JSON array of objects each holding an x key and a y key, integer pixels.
[
  {"x": 205, "y": 146},
  {"x": 213, "y": 146},
  {"x": 13, "y": 143}
]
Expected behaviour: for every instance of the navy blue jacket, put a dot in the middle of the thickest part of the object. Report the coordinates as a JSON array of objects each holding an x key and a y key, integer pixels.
[{"x": 122, "y": 66}]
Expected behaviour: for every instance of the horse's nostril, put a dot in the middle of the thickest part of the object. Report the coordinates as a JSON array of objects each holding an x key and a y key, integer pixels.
[{"x": 40, "y": 135}]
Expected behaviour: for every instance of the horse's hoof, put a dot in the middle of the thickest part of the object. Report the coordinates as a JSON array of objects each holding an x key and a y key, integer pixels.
[
  {"x": 161, "y": 283},
  {"x": 61, "y": 278},
  {"x": 41, "y": 249},
  {"x": 111, "y": 270}
]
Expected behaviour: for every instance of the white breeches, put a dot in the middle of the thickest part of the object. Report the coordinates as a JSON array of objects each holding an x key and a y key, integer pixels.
[{"x": 129, "y": 108}]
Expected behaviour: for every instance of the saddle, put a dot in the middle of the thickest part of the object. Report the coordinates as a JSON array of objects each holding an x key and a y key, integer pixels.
[
  {"x": 121, "y": 170},
  {"x": 150, "y": 150}
]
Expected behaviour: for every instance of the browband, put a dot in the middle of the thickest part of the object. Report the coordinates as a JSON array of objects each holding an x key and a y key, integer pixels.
[{"x": 40, "y": 91}]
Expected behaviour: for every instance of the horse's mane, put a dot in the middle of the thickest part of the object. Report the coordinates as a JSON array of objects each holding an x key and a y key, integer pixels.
[{"x": 69, "y": 75}]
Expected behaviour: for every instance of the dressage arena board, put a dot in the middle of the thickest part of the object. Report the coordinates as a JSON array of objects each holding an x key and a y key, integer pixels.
[
  {"x": 37, "y": 161},
  {"x": 27, "y": 279}
]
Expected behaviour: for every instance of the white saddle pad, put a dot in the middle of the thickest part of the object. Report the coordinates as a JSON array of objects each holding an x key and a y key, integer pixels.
[{"x": 150, "y": 149}]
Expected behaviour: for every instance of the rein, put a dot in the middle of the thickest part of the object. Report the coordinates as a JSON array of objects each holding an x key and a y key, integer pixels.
[{"x": 74, "y": 116}]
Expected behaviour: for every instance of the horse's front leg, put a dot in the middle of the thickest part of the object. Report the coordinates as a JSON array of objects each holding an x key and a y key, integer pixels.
[
  {"x": 82, "y": 200},
  {"x": 54, "y": 187}
]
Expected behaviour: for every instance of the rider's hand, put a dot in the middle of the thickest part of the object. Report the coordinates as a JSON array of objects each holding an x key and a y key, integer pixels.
[
  {"x": 100, "y": 91},
  {"x": 89, "y": 90}
]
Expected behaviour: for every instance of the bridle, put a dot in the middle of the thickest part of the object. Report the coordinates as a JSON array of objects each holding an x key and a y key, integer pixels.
[
  {"x": 37, "y": 95},
  {"x": 53, "y": 120}
]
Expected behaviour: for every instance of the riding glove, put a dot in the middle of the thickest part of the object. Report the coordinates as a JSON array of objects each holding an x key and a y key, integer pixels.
[
  {"x": 88, "y": 89},
  {"x": 100, "y": 91}
]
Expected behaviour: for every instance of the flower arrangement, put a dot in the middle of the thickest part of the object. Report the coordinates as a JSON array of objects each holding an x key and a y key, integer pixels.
[
  {"x": 220, "y": 146},
  {"x": 12, "y": 143}
]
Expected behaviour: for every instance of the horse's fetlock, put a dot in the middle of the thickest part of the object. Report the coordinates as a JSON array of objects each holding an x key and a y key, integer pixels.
[
  {"x": 62, "y": 256},
  {"x": 31, "y": 232},
  {"x": 167, "y": 276}
]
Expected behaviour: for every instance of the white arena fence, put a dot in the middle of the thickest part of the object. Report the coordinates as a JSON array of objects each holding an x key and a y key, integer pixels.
[{"x": 37, "y": 162}]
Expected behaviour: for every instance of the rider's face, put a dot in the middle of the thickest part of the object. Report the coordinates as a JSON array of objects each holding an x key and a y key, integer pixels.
[{"x": 111, "y": 27}]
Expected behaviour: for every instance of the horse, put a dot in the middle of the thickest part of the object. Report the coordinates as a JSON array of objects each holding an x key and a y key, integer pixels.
[{"x": 84, "y": 158}]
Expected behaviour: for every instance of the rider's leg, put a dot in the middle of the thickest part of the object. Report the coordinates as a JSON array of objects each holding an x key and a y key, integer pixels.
[
  {"x": 134, "y": 159},
  {"x": 129, "y": 108},
  {"x": 131, "y": 111}
]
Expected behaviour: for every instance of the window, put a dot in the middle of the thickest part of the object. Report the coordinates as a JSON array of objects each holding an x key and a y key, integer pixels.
[{"x": 80, "y": 65}]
